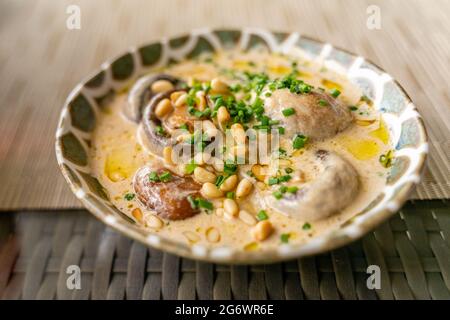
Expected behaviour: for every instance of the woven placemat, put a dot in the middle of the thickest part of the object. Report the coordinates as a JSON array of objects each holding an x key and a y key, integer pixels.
[
  {"x": 41, "y": 61},
  {"x": 412, "y": 250}
]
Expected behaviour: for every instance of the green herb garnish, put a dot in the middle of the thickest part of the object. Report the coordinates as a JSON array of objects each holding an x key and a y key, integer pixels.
[
  {"x": 306, "y": 226},
  {"x": 285, "y": 237},
  {"x": 165, "y": 176},
  {"x": 288, "y": 112},
  {"x": 129, "y": 196},
  {"x": 230, "y": 195},
  {"x": 335, "y": 93},
  {"x": 262, "y": 215},
  {"x": 273, "y": 181},
  {"x": 299, "y": 141}
]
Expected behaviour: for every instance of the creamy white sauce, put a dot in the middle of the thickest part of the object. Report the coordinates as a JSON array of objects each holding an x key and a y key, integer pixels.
[{"x": 117, "y": 154}]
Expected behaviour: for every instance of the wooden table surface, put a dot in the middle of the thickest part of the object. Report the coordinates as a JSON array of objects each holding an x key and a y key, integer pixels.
[{"x": 41, "y": 60}]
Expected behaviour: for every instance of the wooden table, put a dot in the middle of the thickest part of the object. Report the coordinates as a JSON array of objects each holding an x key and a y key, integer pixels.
[{"x": 41, "y": 60}]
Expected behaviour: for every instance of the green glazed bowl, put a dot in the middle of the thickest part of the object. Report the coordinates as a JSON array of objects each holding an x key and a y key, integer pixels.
[{"x": 85, "y": 104}]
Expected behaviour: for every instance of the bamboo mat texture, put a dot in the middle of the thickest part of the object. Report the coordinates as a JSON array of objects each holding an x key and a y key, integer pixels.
[
  {"x": 41, "y": 61},
  {"x": 412, "y": 250}
]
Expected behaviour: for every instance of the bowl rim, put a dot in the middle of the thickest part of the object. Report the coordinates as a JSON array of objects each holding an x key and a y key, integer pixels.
[{"x": 268, "y": 256}]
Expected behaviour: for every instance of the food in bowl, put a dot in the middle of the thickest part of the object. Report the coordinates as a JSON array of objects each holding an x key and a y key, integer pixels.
[{"x": 245, "y": 149}]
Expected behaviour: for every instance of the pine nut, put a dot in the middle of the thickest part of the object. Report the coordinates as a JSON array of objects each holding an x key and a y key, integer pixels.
[
  {"x": 209, "y": 190},
  {"x": 137, "y": 214},
  {"x": 223, "y": 115},
  {"x": 163, "y": 107},
  {"x": 161, "y": 86},
  {"x": 181, "y": 100},
  {"x": 209, "y": 128},
  {"x": 229, "y": 183},
  {"x": 238, "y": 133},
  {"x": 201, "y": 100},
  {"x": 202, "y": 175},
  {"x": 231, "y": 207},
  {"x": 191, "y": 236},
  {"x": 218, "y": 164},
  {"x": 154, "y": 222},
  {"x": 259, "y": 172},
  {"x": 217, "y": 203},
  {"x": 212, "y": 234},
  {"x": 247, "y": 217},
  {"x": 167, "y": 154},
  {"x": 262, "y": 230},
  {"x": 244, "y": 187},
  {"x": 175, "y": 95},
  {"x": 220, "y": 212},
  {"x": 218, "y": 86},
  {"x": 201, "y": 158},
  {"x": 228, "y": 215}
]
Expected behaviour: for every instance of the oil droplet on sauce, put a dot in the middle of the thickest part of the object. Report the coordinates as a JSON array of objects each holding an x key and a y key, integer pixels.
[
  {"x": 331, "y": 84},
  {"x": 279, "y": 69},
  {"x": 381, "y": 133},
  {"x": 119, "y": 165},
  {"x": 252, "y": 246},
  {"x": 361, "y": 149}
]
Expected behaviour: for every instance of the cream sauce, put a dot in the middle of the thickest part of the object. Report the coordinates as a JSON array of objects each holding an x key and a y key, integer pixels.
[{"x": 117, "y": 153}]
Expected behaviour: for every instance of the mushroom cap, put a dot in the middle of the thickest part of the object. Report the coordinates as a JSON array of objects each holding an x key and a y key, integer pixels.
[
  {"x": 311, "y": 118},
  {"x": 167, "y": 199}
]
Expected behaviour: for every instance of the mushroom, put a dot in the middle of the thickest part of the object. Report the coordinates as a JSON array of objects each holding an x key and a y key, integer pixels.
[
  {"x": 153, "y": 126},
  {"x": 169, "y": 199},
  {"x": 144, "y": 90},
  {"x": 331, "y": 191},
  {"x": 315, "y": 114}
]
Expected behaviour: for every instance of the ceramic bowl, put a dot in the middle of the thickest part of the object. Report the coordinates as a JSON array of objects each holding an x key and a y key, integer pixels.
[{"x": 86, "y": 102}]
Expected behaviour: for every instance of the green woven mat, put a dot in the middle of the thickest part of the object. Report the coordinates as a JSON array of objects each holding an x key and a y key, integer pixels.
[{"x": 412, "y": 251}]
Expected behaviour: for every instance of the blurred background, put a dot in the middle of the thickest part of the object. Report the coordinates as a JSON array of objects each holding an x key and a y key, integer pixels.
[{"x": 41, "y": 60}]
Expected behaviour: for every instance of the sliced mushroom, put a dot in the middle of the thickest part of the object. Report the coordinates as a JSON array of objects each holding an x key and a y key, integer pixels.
[
  {"x": 330, "y": 192},
  {"x": 168, "y": 199},
  {"x": 317, "y": 114},
  {"x": 141, "y": 93}
]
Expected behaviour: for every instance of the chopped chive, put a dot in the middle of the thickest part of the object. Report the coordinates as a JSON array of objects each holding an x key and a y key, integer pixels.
[
  {"x": 184, "y": 127},
  {"x": 262, "y": 215},
  {"x": 335, "y": 93},
  {"x": 281, "y": 130},
  {"x": 285, "y": 237},
  {"x": 192, "y": 202},
  {"x": 165, "y": 176},
  {"x": 129, "y": 196},
  {"x": 306, "y": 226},
  {"x": 283, "y": 189},
  {"x": 386, "y": 159},
  {"x": 353, "y": 108},
  {"x": 229, "y": 168},
  {"x": 220, "y": 180},
  {"x": 292, "y": 189},
  {"x": 160, "y": 131},
  {"x": 202, "y": 203},
  {"x": 288, "y": 112},
  {"x": 289, "y": 170},
  {"x": 285, "y": 178},
  {"x": 323, "y": 102},
  {"x": 273, "y": 181}
]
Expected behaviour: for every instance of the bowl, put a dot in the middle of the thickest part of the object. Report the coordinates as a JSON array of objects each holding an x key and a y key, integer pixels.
[{"x": 84, "y": 105}]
